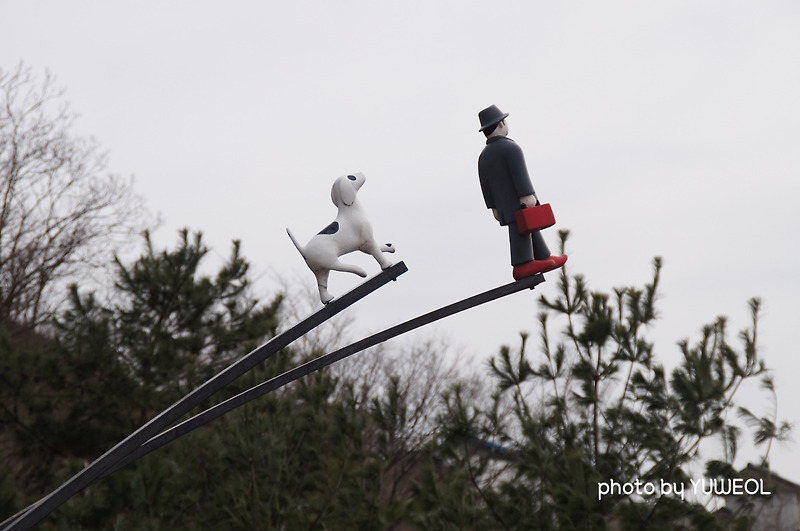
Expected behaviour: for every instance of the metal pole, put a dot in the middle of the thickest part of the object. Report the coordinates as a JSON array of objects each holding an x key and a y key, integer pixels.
[
  {"x": 320, "y": 363},
  {"x": 100, "y": 467}
]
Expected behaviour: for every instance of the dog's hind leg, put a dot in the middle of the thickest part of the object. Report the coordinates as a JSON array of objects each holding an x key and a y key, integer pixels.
[{"x": 322, "y": 285}]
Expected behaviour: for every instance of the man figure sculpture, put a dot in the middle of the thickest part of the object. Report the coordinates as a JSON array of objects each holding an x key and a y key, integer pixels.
[{"x": 506, "y": 189}]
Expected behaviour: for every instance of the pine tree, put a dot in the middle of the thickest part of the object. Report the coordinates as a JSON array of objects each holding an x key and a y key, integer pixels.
[
  {"x": 389, "y": 442},
  {"x": 109, "y": 367},
  {"x": 595, "y": 406}
]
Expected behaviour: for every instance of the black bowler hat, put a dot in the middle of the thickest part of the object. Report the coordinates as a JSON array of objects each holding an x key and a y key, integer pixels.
[{"x": 491, "y": 116}]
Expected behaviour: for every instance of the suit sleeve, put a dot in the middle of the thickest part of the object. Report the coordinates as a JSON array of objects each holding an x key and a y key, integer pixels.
[
  {"x": 519, "y": 171},
  {"x": 485, "y": 187},
  {"x": 487, "y": 197}
]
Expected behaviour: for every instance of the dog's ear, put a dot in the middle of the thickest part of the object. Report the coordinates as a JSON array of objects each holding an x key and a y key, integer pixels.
[
  {"x": 335, "y": 193},
  {"x": 343, "y": 192}
]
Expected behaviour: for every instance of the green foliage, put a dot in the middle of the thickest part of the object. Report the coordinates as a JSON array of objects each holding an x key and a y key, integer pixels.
[
  {"x": 382, "y": 446},
  {"x": 110, "y": 367},
  {"x": 596, "y": 406},
  {"x": 176, "y": 327}
]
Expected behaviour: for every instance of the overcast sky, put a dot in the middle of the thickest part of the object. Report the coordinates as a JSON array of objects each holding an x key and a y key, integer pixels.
[{"x": 654, "y": 129}]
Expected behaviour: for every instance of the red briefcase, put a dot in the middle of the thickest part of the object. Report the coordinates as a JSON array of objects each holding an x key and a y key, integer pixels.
[{"x": 535, "y": 218}]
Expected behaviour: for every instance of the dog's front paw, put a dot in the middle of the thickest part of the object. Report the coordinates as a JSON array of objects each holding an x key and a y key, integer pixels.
[{"x": 387, "y": 248}]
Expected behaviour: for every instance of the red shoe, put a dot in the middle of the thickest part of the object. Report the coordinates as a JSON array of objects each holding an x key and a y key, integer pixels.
[
  {"x": 533, "y": 267},
  {"x": 558, "y": 261}
]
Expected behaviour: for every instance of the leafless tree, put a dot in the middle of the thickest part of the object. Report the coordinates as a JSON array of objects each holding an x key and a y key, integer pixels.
[{"x": 60, "y": 211}]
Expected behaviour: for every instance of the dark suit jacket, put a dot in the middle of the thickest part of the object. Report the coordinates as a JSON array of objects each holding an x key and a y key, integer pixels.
[{"x": 504, "y": 176}]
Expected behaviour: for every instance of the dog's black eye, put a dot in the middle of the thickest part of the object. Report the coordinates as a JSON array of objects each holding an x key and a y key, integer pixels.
[{"x": 351, "y": 177}]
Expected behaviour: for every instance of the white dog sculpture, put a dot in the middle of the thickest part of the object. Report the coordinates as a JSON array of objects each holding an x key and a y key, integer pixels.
[{"x": 351, "y": 231}]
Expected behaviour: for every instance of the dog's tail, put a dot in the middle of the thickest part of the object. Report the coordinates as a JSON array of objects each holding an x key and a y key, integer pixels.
[{"x": 295, "y": 242}]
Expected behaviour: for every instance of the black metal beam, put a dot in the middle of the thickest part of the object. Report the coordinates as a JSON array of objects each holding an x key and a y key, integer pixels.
[
  {"x": 319, "y": 363},
  {"x": 101, "y": 466}
]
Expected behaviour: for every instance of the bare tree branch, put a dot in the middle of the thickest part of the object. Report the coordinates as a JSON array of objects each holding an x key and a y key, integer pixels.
[{"x": 60, "y": 211}]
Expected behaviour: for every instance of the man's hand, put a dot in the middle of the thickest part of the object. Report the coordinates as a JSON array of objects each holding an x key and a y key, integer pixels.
[
  {"x": 528, "y": 200},
  {"x": 496, "y": 214}
]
